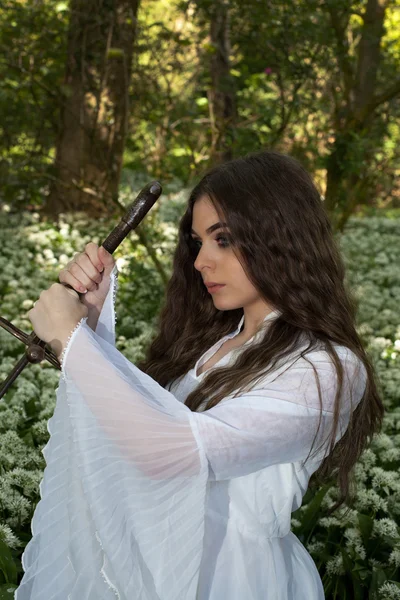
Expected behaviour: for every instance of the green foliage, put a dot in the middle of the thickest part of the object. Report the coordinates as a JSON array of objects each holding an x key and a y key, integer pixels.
[
  {"x": 33, "y": 253},
  {"x": 8, "y": 569},
  {"x": 358, "y": 553},
  {"x": 287, "y": 72},
  {"x": 7, "y": 592},
  {"x": 32, "y": 58}
]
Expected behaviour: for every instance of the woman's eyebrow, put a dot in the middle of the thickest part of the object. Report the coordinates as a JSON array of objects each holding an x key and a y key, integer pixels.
[{"x": 212, "y": 228}]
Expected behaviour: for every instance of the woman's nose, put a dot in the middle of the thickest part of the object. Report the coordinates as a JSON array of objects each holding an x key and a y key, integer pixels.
[{"x": 203, "y": 259}]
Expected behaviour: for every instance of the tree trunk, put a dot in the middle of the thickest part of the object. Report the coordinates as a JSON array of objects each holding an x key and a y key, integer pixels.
[
  {"x": 347, "y": 163},
  {"x": 222, "y": 99},
  {"x": 95, "y": 112}
]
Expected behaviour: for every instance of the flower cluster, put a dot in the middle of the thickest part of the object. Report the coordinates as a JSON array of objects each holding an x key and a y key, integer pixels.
[{"x": 356, "y": 548}]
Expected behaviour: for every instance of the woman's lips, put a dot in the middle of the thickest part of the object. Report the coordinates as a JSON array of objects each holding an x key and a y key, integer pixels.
[{"x": 215, "y": 288}]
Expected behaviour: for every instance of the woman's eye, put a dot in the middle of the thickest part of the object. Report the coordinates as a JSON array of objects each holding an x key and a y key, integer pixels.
[{"x": 224, "y": 242}]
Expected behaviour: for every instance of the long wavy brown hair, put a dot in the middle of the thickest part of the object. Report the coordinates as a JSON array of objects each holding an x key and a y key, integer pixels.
[{"x": 283, "y": 237}]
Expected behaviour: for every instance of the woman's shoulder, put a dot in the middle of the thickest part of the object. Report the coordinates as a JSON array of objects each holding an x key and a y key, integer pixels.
[
  {"x": 323, "y": 360},
  {"x": 324, "y": 363},
  {"x": 299, "y": 378},
  {"x": 319, "y": 352}
]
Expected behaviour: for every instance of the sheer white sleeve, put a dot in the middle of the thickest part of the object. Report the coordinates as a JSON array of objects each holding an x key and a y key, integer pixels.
[
  {"x": 105, "y": 327},
  {"x": 122, "y": 503}
]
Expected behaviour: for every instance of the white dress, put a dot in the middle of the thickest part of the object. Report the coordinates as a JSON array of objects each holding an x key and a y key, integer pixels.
[{"x": 143, "y": 499}]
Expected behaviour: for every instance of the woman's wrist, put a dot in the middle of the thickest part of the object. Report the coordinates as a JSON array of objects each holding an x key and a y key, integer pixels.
[
  {"x": 59, "y": 343},
  {"x": 93, "y": 318}
]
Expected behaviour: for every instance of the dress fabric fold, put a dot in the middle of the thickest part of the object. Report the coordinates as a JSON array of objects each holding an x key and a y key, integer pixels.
[{"x": 143, "y": 499}]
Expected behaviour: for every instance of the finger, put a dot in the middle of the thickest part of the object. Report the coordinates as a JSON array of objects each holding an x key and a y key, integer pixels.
[
  {"x": 67, "y": 277},
  {"x": 82, "y": 277},
  {"x": 88, "y": 267},
  {"x": 72, "y": 293},
  {"x": 107, "y": 259},
  {"x": 92, "y": 251},
  {"x": 91, "y": 265}
]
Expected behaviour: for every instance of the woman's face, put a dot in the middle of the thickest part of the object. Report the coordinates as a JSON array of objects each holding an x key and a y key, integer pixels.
[{"x": 217, "y": 262}]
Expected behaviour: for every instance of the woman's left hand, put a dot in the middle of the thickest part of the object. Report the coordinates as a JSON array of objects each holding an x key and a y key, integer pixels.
[{"x": 56, "y": 314}]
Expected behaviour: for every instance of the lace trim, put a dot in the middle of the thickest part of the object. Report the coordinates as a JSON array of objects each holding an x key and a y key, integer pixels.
[
  {"x": 68, "y": 343},
  {"x": 115, "y": 284},
  {"x": 103, "y": 573}
]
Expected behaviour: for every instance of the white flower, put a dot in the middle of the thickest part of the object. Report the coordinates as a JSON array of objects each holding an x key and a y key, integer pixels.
[
  {"x": 329, "y": 522},
  {"x": 394, "y": 557},
  {"x": 391, "y": 455},
  {"x": 386, "y": 527},
  {"x": 295, "y": 522},
  {"x": 48, "y": 253},
  {"x": 353, "y": 534},
  {"x": 369, "y": 499},
  {"x": 389, "y": 591},
  {"x": 382, "y": 441},
  {"x": 63, "y": 259},
  {"x": 381, "y": 342},
  {"x": 315, "y": 547},
  {"x": 368, "y": 458},
  {"x": 64, "y": 230},
  {"x": 27, "y": 304},
  {"x": 8, "y": 537},
  {"x": 121, "y": 263},
  {"x": 384, "y": 479},
  {"x": 334, "y": 565}
]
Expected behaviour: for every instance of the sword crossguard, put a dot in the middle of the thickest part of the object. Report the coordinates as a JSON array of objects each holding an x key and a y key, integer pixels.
[
  {"x": 36, "y": 350},
  {"x": 35, "y": 353}
]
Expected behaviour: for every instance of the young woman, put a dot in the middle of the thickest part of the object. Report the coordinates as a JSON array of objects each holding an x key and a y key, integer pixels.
[{"x": 175, "y": 479}]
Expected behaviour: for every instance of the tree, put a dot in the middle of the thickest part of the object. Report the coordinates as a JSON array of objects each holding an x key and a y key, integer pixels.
[
  {"x": 32, "y": 52},
  {"x": 324, "y": 87},
  {"x": 95, "y": 110},
  {"x": 211, "y": 80},
  {"x": 222, "y": 99},
  {"x": 357, "y": 108}
]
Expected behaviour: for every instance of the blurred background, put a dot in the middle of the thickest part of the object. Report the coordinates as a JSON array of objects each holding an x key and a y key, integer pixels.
[{"x": 94, "y": 93}]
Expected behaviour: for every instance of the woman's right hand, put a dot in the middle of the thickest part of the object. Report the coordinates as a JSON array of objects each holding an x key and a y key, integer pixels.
[{"x": 89, "y": 273}]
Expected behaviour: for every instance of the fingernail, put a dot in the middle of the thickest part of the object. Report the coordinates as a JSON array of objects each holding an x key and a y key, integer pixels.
[
  {"x": 101, "y": 268},
  {"x": 84, "y": 290}
]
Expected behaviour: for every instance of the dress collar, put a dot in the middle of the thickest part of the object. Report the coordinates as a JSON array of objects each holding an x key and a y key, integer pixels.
[{"x": 274, "y": 314}]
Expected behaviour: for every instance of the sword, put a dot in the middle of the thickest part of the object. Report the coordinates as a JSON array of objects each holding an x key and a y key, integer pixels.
[{"x": 36, "y": 349}]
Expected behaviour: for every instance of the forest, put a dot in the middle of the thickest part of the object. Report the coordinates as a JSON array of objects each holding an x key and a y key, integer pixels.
[{"x": 100, "y": 97}]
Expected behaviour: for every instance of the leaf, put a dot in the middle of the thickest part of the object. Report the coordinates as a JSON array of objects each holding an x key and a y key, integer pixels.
[
  {"x": 31, "y": 407},
  {"x": 347, "y": 563},
  {"x": 115, "y": 53},
  {"x": 7, "y": 564},
  {"x": 179, "y": 152},
  {"x": 366, "y": 523},
  {"x": 209, "y": 48},
  {"x": 308, "y": 520},
  {"x": 378, "y": 578},
  {"x": 7, "y": 591}
]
